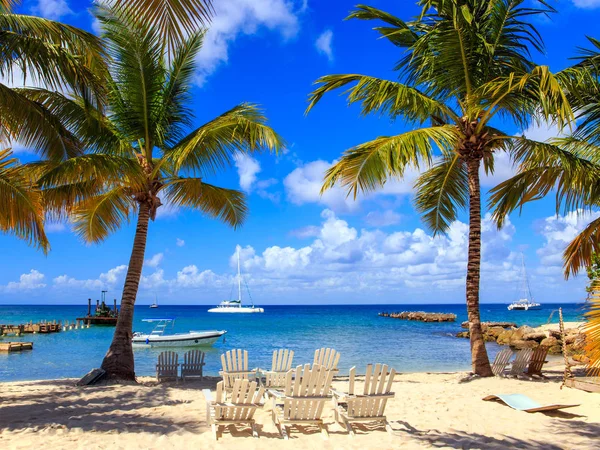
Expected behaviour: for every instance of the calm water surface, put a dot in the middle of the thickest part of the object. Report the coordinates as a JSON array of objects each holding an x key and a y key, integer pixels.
[{"x": 355, "y": 331}]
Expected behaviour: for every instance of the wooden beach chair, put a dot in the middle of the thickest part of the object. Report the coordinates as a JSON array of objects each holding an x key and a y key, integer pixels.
[
  {"x": 327, "y": 357},
  {"x": 538, "y": 359},
  {"x": 303, "y": 398},
  {"x": 368, "y": 406},
  {"x": 520, "y": 363},
  {"x": 239, "y": 410},
  {"x": 193, "y": 363},
  {"x": 235, "y": 367},
  {"x": 282, "y": 363},
  {"x": 501, "y": 361},
  {"x": 167, "y": 366}
]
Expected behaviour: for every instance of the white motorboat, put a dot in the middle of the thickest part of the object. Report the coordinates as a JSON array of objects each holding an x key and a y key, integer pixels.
[
  {"x": 235, "y": 306},
  {"x": 158, "y": 338},
  {"x": 525, "y": 303}
]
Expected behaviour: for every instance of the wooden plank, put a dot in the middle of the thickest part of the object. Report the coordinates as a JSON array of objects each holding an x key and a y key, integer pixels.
[{"x": 588, "y": 384}]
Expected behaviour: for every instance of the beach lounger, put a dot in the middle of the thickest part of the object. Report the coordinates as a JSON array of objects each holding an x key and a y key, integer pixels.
[
  {"x": 517, "y": 369},
  {"x": 239, "y": 410},
  {"x": 235, "y": 367},
  {"x": 303, "y": 398},
  {"x": 282, "y": 363},
  {"x": 167, "y": 366},
  {"x": 521, "y": 402},
  {"x": 501, "y": 361},
  {"x": 327, "y": 357},
  {"x": 538, "y": 359},
  {"x": 368, "y": 406},
  {"x": 193, "y": 363}
]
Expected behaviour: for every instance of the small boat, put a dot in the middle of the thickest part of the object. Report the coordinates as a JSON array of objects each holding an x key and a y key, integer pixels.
[
  {"x": 155, "y": 304},
  {"x": 525, "y": 303},
  {"x": 235, "y": 306},
  {"x": 158, "y": 338}
]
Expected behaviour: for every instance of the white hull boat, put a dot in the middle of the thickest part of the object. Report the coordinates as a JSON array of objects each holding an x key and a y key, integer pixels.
[
  {"x": 525, "y": 303},
  {"x": 235, "y": 306},
  {"x": 158, "y": 339}
]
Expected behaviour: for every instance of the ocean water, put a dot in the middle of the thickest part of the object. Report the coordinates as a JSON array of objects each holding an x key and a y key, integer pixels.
[{"x": 355, "y": 331}]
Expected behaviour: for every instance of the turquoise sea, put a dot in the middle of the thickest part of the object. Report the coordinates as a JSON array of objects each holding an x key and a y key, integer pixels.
[{"x": 355, "y": 331}]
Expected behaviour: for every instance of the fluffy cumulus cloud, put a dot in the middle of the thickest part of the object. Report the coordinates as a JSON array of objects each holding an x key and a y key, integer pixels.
[
  {"x": 235, "y": 18},
  {"x": 52, "y": 9},
  {"x": 247, "y": 169},
  {"x": 154, "y": 261},
  {"x": 323, "y": 44},
  {"x": 179, "y": 242},
  {"x": 27, "y": 282},
  {"x": 587, "y": 4}
]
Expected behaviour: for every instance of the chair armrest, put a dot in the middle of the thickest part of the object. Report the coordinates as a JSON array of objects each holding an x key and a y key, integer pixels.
[
  {"x": 340, "y": 395},
  {"x": 275, "y": 393},
  {"x": 208, "y": 395}
]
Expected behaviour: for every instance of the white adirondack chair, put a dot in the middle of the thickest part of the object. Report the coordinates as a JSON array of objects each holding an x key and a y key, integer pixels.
[
  {"x": 303, "y": 398},
  {"x": 235, "y": 367},
  {"x": 368, "y": 406},
  {"x": 167, "y": 366},
  {"x": 193, "y": 363},
  {"x": 282, "y": 362},
  {"x": 327, "y": 357},
  {"x": 501, "y": 361},
  {"x": 520, "y": 363},
  {"x": 245, "y": 398}
]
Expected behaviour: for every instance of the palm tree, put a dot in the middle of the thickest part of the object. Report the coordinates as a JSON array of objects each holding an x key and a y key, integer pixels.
[
  {"x": 466, "y": 64},
  {"x": 142, "y": 152}
]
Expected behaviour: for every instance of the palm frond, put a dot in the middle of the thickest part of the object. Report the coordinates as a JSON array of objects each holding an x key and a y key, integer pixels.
[
  {"x": 21, "y": 211},
  {"x": 395, "y": 30},
  {"x": 212, "y": 146},
  {"x": 578, "y": 253},
  {"x": 441, "y": 191},
  {"x": 591, "y": 329},
  {"x": 382, "y": 96},
  {"x": 368, "y": 166},
  {"x": 227, "y": 205}
]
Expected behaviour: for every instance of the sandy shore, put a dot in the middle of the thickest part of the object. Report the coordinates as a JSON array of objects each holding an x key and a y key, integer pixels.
[{"x": 429, "y": 411}]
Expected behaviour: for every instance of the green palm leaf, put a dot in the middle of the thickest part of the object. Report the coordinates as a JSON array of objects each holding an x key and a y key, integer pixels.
[{"x": 591, "y": 329}]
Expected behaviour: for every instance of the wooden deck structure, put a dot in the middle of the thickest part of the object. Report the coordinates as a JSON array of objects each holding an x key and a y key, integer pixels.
[
  {"x": 103, "y": 315},
  {"x": 29, "y": 328},
  {"x": 588, "y": 384},
  {"x": 9, "y": 347}
]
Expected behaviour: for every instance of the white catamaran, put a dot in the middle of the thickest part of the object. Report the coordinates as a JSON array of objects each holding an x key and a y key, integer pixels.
[
  {"x": 235, "y": 306},
  {"x": 158, "y": 338},
  {"x": 525, "y": 303}
]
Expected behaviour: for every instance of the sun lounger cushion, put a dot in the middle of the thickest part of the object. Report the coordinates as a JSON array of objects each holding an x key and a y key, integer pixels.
[{"x": 521, "y": 402}]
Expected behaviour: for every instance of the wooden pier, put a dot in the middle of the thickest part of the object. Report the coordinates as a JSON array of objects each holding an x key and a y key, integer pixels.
[
  {"x": 30, "y": 328},
  {"x": 102, "y": 315},
  {"x": 9, "y": 347}
]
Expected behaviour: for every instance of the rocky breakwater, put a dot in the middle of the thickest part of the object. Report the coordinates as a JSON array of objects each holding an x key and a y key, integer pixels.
[
  {"x": 420, "y": 316},
  {"x": 504, "y": 333}
]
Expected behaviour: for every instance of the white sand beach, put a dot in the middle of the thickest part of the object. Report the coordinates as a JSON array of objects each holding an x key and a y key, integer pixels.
[{"x": 429, "y": 411}]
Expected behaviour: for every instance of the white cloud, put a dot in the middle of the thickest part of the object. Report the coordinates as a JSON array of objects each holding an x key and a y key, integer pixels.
[
  {"x": 235, "y": 18},
  {"x": 52, "y": 9},
  {"x": 305, "y": 232},
  {"x": 180, "y": 242},
  {"x": 587, "y": 4},
  {"x": 542, "y": 132},
  {"x": 55, "y": 227},
  {"x": 110, "y": 280},
  {"x": 323, "y": 44},
  {"x": 154, "y": 261},
  {"x": 247, "y": 169},
  {"x": 382, "y": 218},
  {"x": 27, "y": 282},
  {"x": 503, "y": 170}
]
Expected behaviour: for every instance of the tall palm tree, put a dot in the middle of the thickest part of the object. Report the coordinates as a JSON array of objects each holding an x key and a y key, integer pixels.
[
  {"x": 142, "y": 151},
  {"x": 466, "y": 65}
]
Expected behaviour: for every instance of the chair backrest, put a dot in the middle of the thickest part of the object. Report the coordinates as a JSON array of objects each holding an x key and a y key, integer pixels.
[
  {"x": 521, "y": 361},
  {"x": 193, "y": 362},
  {"x": 282, "y": 360},
  {"x": 167, "y": 365},
  {"x": 327, "y": 357},
  {"x": 235, "y": 361},
  {"x": 306, "y": 391},
  {"x": 538, "y": 359},
  {"x": 501, "y": 361},
  {"x": 244, "y": 399},
  {"x": 376, "y": 391}
]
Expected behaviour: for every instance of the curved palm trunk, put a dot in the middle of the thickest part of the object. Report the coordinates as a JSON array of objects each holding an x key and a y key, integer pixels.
[
  {"x": 118, "y": 362},
  {"x": 479, "y": 357}
]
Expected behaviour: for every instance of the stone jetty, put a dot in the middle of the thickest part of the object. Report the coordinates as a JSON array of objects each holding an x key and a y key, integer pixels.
[
  {"x": 420, "y": 316},
  {"x": 504, "y": 333}
]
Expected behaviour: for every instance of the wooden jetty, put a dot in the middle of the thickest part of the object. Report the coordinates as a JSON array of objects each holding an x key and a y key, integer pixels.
[
  {"x": 9, "y": 347},
  {"x": 29, "y": 328},
  {"x": 102, "y": 315}
]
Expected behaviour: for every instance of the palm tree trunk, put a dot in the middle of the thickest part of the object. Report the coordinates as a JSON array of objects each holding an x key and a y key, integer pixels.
[
  {"x": 118, "y": 362},
  {"x": 479, "y": 357}
]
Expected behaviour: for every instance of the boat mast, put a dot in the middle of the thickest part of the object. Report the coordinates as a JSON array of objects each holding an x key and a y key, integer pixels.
[{"x": 239, "y": 276}]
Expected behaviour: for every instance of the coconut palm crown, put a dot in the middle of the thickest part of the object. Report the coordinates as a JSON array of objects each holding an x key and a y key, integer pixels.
[
  {"x": 466, "y": 65},
  {"x": 142, "y": 153}
]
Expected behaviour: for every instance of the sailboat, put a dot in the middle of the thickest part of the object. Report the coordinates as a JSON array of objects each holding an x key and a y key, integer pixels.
[
  {"x": 525, "y": 303},
  {"x": 155, "y": 304},
  {"x": 235, "y": 306}
]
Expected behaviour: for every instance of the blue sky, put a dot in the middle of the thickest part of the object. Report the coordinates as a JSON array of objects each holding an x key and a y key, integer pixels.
[{"x": 298, "y": 247}]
